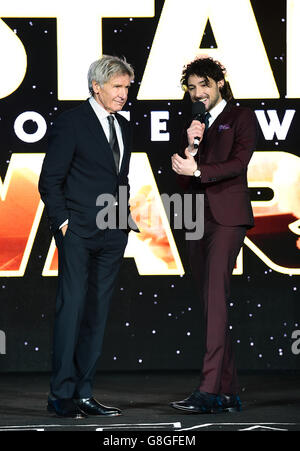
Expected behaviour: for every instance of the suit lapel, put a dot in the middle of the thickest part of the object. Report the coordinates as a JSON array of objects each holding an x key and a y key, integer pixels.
[
  {"x": 207, "y": 150},
  {"x": 125, "y": 142},
  {"x": 93, "y": 124},
  {"x": 218, "y": 120}
]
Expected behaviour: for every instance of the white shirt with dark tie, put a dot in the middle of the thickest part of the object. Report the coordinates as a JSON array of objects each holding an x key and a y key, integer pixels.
[
  {"x": 102, "y": 115},
  {"x": 214, "y": 113}
]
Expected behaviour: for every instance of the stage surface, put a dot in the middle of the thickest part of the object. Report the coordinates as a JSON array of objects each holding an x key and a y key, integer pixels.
[{"x": 271, "y": 402}]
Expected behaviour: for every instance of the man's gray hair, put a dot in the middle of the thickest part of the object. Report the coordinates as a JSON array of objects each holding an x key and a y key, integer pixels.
[{"x": 105, "y": 68}]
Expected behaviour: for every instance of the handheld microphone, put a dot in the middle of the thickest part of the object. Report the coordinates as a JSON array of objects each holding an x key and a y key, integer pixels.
[{"x": 198, "y": 114}]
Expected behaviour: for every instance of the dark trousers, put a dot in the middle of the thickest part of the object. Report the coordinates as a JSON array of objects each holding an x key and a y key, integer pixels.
[
  {"x": 212, "y": 261},
  {"x": 88, "y": 268}
]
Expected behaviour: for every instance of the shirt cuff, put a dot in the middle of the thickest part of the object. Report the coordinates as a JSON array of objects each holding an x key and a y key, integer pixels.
[
  {"x": 63, "y": 224},
  {"x": 194, "y": 153}
]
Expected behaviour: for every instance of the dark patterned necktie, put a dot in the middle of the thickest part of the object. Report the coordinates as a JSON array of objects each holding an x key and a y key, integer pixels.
[
  {"x": 206, "y": 120},
  {"x": 113, "y": 141}
]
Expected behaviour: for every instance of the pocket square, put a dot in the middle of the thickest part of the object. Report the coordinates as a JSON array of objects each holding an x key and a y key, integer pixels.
[{"x": 224, "y": 127}]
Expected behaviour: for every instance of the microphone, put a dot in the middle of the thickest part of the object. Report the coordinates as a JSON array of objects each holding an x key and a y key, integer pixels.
[{"x": 198, "y": 114}]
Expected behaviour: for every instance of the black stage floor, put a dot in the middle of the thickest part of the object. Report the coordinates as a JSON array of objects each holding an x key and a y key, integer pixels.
[{"x": 271, "y": 402}]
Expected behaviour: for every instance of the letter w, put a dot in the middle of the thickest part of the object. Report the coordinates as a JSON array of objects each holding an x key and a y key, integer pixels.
[{"x": 273, "y": 127}]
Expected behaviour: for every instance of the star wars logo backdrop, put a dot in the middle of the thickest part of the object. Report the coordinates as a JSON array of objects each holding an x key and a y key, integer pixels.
[{"x": 155, "y": 318}]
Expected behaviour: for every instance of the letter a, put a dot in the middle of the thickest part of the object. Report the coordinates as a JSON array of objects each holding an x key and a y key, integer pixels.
[{"x": 240, "y": 48}]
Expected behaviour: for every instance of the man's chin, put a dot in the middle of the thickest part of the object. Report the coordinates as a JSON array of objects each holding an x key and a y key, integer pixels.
[{"x": 118, "y": 108}]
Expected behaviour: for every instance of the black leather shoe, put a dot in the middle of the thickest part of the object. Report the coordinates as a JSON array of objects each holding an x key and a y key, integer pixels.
[
  {"x": 199, "y": 402},
  {"x": 230, "y": 403},
  {"x": 92, "y": 407},
  {"x": 65, "y": 408}
]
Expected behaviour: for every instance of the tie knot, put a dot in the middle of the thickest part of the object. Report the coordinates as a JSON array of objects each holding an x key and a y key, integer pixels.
[{"x": 111, "y": 119}]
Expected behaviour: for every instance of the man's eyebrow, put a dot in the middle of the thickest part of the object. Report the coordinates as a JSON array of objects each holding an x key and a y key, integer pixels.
[
  {"x": 119, "y": 85},
  {"x": 198, "y": 83}
]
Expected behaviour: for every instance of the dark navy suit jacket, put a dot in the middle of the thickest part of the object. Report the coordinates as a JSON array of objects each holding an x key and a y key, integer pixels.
[{"x": 78, "y": 167}]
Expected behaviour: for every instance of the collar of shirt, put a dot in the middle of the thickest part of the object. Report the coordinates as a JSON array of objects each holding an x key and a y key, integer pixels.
[
  {"x": 215, "y": 111},
  {"x": 99, "y": 110}
]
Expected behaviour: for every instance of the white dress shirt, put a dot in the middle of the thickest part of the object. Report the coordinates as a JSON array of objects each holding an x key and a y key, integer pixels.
[
  {"x": 102, "y": 115},
  {"x": 214, "y": 113}
]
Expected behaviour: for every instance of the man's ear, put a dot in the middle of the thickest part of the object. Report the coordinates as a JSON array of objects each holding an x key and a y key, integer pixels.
[
  {"x": 221, "y": 84},
  {"x": 96, "y": 87}
]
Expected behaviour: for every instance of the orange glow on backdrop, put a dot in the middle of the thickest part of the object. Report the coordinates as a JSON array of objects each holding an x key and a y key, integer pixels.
[
  {"x": 20, "y": 212},
  {"x": 154, "y": 250}
]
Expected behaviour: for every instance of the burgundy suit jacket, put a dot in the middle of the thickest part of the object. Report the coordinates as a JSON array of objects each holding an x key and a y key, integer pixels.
[{"x": 223, "y": 158}]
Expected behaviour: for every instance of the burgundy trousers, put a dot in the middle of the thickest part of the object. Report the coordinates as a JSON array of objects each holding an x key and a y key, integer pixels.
[{"x": 212, "y": 261}]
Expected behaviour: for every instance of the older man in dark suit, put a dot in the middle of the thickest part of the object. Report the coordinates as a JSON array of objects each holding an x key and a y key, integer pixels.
[
  {"x": 88, "y": 156},
  {"x": 218, "y": 170}
]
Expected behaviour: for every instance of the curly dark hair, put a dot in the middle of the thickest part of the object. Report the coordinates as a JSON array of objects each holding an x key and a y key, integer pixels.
[{"x": 206, "y": 67}]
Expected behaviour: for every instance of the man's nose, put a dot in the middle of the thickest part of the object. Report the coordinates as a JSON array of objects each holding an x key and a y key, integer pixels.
[
  {"x": 123, "y": 93},
  {"x": 199, "y": 92}
]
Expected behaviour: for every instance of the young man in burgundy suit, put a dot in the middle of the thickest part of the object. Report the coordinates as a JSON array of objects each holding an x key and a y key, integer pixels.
[{"x": 218, "y": 170}]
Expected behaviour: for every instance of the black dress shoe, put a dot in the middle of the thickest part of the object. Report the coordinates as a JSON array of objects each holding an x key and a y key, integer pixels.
[
  {"x": 65, "y": 408},
  {"x": 230, "y": 403},
  {"x": 199, "y": 402},
  {"x": 92, "y": 407}
]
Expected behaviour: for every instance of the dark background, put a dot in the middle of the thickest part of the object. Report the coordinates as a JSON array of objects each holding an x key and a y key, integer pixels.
[{"x": 160, "y": 328}]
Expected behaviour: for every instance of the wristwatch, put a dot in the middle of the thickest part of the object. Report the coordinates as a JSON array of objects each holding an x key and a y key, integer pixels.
[{"x": 197, "y": 173}]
